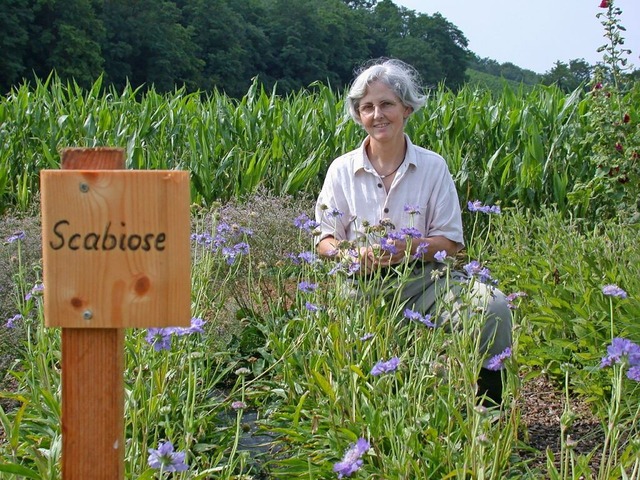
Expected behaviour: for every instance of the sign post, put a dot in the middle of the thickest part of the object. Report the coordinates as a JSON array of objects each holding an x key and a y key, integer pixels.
[{"x": 116, "y": 255}]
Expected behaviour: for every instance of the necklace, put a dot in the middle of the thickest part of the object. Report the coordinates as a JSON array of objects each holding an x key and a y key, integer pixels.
[{"x": 391, "y": 173}]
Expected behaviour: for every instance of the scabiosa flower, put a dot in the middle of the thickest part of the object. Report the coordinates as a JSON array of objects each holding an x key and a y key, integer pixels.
[
  {"x": 417, "y": 317},
  {"x": 388, "y": 245},
  {"x": 440, "y": 256},
  {"x": 335, "y": 213},
  {"x": 614, "y": 291},
  {"x": 17, "y": 236},
  {"x": 366, "y": 336},
  {"x": 410, "y": 232},
  {"x": 352, "y": 460},
  {"x": 238, "y": 405},
  {"x": 11, "y": 321},
  {"x": 311, "y": 307},
  {"x": 309, "y": 257},
  {"x": 159, "y": 338},
  {"x": 307, "y": 287},
  {"x": 619, "y": 350},
  {"x": 196, "y": 327},
  {"x": 477, "y": 206},
  {"x": 36, "y": 291},
  {"x": 412, "y": 209},
  {"x": 511, "y": 297},
  {"x": 303, "y": 222},
  {"x": 388, "y": 366},
  {"x": 166, "y": 459},
  {"x": 497, "y": 362},
  {"x": 474, "y": 268}
]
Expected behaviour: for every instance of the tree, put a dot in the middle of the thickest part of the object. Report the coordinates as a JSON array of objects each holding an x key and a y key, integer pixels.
[
  {"x": 568, "y": 77},
  {"x": 14, "y": 21},
  {"x": 66, "y": 36}
]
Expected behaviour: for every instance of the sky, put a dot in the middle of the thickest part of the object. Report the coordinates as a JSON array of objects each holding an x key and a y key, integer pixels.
[{"x": 534, "y": 34}]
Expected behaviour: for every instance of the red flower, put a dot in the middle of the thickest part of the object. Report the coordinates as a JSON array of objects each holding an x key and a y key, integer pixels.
[
  {"x": 626, "y": 118},
  {"x": 618, "y": 146},
  {"x": 604, "y": 4}
]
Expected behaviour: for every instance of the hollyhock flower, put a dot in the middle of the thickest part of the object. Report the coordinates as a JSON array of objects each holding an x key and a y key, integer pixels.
[
  {"x": 165, "y": 459},
  {"x": 497, "y": 362},
  {"x": 614, "y": 291},
  {"x": 440, "y": 256},
  {"x": 16, "y": 237},
  {"x": 626, "y": 118},
  {"x": 238, "y": 405},
  {"x": 352, "y": 460},
  {"x": 619, "y": 350},
  {"x": 604, "y": 4},
  {"x": 618, "y": 147},
  {"x": 388, "y": 366}
]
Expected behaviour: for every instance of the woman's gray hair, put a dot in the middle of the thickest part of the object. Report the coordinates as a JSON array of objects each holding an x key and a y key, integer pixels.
[{"x": 399, "y": 76}]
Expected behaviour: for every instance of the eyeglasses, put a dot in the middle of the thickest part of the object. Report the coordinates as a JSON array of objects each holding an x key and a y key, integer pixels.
[{"x": 369, "y": 109}]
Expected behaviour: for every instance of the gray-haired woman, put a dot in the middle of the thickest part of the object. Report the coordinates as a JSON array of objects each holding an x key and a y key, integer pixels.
[{"x": 390, "y": 180}]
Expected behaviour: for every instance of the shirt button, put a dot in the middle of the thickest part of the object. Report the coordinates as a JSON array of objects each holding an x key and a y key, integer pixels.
[
  {"x": 386, "y": 210},
  {"x": 379, "y": 185}
]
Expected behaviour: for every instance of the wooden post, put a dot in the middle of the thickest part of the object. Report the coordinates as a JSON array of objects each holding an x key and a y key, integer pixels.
[
  {"x": 92, "y": 375},
  {"x": 116, "y": 255}
]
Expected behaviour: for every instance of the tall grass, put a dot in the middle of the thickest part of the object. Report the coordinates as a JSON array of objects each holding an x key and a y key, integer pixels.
[{"x": 525, "y": 147}]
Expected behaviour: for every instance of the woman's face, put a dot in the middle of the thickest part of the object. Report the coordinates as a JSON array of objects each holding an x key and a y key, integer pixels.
[{"x": 382, "y": 113}]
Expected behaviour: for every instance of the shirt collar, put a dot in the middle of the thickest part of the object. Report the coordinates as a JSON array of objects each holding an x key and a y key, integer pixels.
[{"x": 362, "y": 160}]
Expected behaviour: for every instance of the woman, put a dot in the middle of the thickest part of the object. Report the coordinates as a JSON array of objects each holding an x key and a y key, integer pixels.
[{"x": 390, "y": 181}]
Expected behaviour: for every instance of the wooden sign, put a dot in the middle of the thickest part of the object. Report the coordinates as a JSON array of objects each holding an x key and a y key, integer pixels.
[{"x": 116, "y": 248}]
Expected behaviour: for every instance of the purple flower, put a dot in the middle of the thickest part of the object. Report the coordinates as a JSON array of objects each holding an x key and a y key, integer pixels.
[
  {"x": 511, "y": 297},
  {"x": 165, "y": 459},
  {"x": 303, "y": 222},
  {"x": 366, "y": 336},
  {"x": 619, "y": 350},
  {"x": 474, "y": 268},
  {"x": 410, "y": 232},
  {"x": 388, "y": 245},
  {"x": 196, "y": 327},
  {"x": 440, "y": 256},
  {"x": 634, "y": 373},
  {"x": 614, "y": 291},
  {"x": 477, "y": 206},
  {"x": 16, "y": 237},
  {"x": 12, "y": 320},
  {"x": 311, "y": 307},
  {"x": 417, "y": 317},
  {"x": 421, "y": 249},
  {"x": 388, "y": 366},
  {"x": 37, "y": 290},
  {"x": 238, "y": 405},
  {"x": 412, "y": 209},
  {"x": 307, "y": 287},
  {"x": 497, "y": 362},
  {"x": 159, "y": 338},
  {"x": 352, "y": 461},
  {"x": 335, "y": 213}
]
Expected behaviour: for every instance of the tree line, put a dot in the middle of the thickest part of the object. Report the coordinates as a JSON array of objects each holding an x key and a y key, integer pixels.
[{"x": 221, "y": 44}]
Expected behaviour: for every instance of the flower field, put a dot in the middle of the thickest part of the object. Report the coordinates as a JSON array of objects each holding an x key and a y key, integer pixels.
[{"x": 284, "y": 371}]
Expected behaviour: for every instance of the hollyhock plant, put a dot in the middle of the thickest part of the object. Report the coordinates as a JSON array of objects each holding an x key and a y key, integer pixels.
[{"x": 352, "y": 460}]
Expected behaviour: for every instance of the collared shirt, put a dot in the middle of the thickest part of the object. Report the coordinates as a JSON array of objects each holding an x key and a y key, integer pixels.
[{"x": 422, "y": 195}]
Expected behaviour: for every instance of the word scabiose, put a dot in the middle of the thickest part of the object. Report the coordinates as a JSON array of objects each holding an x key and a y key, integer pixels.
[{"x": 352, "y": 460}]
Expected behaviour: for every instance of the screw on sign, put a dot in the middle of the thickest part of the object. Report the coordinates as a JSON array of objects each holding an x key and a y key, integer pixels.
[{"x": 115, "y": 255}]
